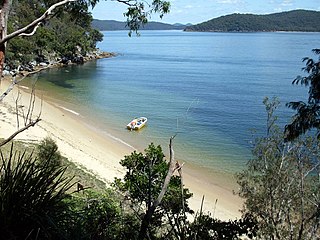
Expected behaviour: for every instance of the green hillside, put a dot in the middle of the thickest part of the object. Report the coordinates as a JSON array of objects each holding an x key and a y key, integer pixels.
[
  {"x": 297, "y": 20},
  {"x": 111, "y": 25}
]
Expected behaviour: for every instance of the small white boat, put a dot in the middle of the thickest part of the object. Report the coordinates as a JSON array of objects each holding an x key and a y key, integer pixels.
[{"x": 137, "y": 123}]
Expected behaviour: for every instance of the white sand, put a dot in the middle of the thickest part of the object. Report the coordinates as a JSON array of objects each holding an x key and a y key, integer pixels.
[{"x": 101, "y": 154}]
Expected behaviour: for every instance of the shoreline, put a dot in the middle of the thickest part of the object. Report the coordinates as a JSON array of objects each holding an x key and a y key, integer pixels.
[{"x": 100, "y": 154}]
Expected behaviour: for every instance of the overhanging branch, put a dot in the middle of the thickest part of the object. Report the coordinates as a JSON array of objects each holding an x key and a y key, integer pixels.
[{"x": 32, "y": 26}]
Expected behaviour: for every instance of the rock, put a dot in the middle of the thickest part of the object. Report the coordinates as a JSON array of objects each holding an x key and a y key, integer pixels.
[
  {"x": 5, "y": 72},
  {"x": 78, "y": 60},
  {"x": 33, "y": 63},
  {"x": 43, "y": 64}
]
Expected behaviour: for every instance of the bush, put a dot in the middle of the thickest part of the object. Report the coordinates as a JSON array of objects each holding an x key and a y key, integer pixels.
[
  {"x": 99, "y": 215},
  {"x": 31, "y": 197},
  {"x": 48, "y": 152}
]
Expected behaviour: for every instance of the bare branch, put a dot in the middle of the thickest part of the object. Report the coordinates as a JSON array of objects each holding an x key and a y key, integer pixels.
[
  {"x": 31, "y": 124},
  {"x": 15, "y": 81},
  {"x": 9, "y": 89},
  {"x": 28, "y": 120},
  {"x": 173, "y": 166},
  {"x": 32, "y": 33},
  {"x": 126, "y": 2},
  {"x": 17, "y": 110}
]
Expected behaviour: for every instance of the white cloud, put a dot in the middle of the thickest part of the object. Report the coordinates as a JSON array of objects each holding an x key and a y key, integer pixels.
[
  {"x": 287, "y": 3},
  {"x": 229, "y": 1},
  {"x": 188, "y": 6}
]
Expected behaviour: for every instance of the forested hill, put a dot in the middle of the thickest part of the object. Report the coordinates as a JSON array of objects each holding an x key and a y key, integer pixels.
[
  {"x": 111, "y": 25},
  {"x": 297, "y": 20}
]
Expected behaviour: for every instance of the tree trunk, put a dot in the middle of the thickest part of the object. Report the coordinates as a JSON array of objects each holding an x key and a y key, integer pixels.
[
  {"x": 4, "y": 12},
  {"x": 173, "y": 166}
]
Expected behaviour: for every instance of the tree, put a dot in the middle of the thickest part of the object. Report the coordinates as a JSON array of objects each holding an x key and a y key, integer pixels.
[
  {"x": 206, "y": 227},
  {"x": 154, "y": 192},
  {"x": 97, "y": 215},
  {"x": 308, "y": 113},
  {"x": 281, "y": 186}
]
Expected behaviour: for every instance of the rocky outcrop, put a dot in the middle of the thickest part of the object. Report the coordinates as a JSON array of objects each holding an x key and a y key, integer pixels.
[{"x": 43, "y": 62}]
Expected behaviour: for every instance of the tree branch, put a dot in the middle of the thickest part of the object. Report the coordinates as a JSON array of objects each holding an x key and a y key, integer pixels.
[
  {"x": 27, "y": 118},
  {"x": 173, "y": 166},
  {"x": 35, "y": 23},
  {"x": 31, "y": 124}
]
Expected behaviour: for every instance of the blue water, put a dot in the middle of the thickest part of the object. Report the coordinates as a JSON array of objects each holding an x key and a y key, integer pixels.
[{"x": 206, "y": 87}]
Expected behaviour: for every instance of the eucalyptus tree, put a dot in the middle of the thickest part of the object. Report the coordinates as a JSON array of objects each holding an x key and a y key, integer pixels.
[
  {"x": 281, "y": 184},
  {"x": 307, "y": 116},
  {"x": 155, "y": 194}
]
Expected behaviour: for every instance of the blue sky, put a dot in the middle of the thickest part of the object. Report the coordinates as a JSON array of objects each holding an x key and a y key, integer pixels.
[{"x": 196, "y": 11}]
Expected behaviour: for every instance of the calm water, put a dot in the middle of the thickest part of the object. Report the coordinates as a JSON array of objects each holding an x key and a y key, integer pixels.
[{"x": 206, "y": 87}]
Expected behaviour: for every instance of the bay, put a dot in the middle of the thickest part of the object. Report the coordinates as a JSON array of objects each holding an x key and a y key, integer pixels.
[{"x": 207, "y": 88}]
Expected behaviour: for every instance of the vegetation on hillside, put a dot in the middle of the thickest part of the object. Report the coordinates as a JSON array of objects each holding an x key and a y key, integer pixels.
[
  {"x": 111, "y": 25},
  {"x": 297, "y": 20},
  {"x": 281, "y": 184},
  {"x": 67, "y": 36},
  {"x": 39, "y": 201}
]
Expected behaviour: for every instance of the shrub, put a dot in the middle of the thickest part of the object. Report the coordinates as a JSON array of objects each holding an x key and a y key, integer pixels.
[
  {"x": 48, "y": 152},
  {"x": 31, "y": 197}
]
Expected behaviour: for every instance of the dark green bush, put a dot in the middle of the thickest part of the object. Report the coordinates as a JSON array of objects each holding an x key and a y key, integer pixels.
[
  {"x": 48, "y": 152},
  {"x": 31, "y": 197}
]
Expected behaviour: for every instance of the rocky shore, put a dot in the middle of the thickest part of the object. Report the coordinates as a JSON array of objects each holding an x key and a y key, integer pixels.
[{"x": 43, "y": 62}]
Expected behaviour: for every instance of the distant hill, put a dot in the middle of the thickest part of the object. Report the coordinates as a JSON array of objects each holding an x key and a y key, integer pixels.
[
  {"x": 297, "y": 20},
  {"x": 111, "y": 25}
]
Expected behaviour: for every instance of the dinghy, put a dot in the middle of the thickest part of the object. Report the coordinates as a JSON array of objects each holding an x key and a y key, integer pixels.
[{"x": 137, "y": 123}]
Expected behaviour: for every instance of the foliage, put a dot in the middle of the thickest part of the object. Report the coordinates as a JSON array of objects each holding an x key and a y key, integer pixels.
[
  {"x": 37, "y": 201},
  {"x": 63, "y": 36},
  {"x": 206, "y": 227},
  {"x": 98, "y": 215},
  {"x": 31, "y": 197},
  {"x": 142, "y": 184},
  {"x": 307, "y": 116},
  {"x": 137, "y": 15},
  {"x": 69, "y": 34},
  {"x": 102, "y": 214},
  {"x": 48, "y": 152},
  {"x": 280, "y": 185},
  {"x": 297, "y": 20},
  {"x": 111, "y": 25}
]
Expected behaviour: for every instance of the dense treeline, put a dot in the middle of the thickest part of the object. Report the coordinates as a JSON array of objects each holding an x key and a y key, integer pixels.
[
  {"x": 297, "y": 20},
  {"x": 111, "y": 25},
  {"x": 68, "y": 35}
]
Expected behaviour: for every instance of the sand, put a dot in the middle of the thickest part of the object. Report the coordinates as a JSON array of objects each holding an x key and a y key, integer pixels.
[{"x": 100, "y": 154}]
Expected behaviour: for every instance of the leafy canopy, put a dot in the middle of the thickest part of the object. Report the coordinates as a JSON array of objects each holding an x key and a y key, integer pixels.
[
  {"x": 281, "y": 186},
  {"x": 308, "y": 113},
  {"x": 142, "y": 184},
  {"x": 68, "y": 33}
]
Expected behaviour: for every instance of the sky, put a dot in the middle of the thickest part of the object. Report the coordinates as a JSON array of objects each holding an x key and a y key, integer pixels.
[{"x": 197, "y": 11}]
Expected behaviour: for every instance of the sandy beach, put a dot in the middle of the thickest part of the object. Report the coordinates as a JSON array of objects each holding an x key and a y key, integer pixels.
[{"x": 100, "y": 154}]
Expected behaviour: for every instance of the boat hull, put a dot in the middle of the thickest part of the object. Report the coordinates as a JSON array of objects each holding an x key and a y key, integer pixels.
[{"x": 137, "y": 123}]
